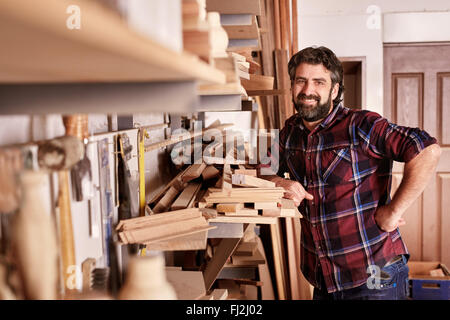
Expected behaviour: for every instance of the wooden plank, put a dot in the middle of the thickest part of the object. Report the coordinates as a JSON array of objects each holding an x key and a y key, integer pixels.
[
  {"x": 293, "y": 268},
  {"x": 188, "y": 285},
  {"x": 224, "y": 250},
  {"x": 165, "y": 231},
  {"x": 210, "y": 172},
  {"x": 175, "y": 180},
  {"x": 246, "y": 248},
  {"x": 258, "y": 82},
  {"x": 258, "y": 219},
  {"x": 230, "y": 272},
  {"x": 283, "y": 82},
  {"x": 277, "y": 25},
  {"x": 250, "y": 181},
  {"x": 254, "y": 260},
  {"x": 284, "y": 33},
  {"x": 166, "y": 200},
  {"x": 193, "y": 172},
  {"x": 294, "y": 27},
  {"x": 229, "y": 207},
  {"x": 122, "y": 55},
  {"x": 265, "y": 205},
  {"x": 248, "y": 172},
  {"x": 267, "y": 292},
  {"x": 277, "y": 259},
  {"x": 185, "y": 198},
  {"x": 243, "y": 31},
  {"x": 196, "y": 241},
  {"x": 271, "y": 212},
  {"x": 229, "y": 66},
  {"x": 234, "y": 6},
  {"x": 226, "y": 230},
  {"x": 220, "y": 294},
  {"x": 289, "y": 209},
  {"x": 158, "y": 219},
  {"x": 244, "y": 212}
]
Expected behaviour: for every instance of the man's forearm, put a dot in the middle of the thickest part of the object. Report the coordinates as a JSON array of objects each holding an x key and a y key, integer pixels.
[{"x": 416, "y": 175}]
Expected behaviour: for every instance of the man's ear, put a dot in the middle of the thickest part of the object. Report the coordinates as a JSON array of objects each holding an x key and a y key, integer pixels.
[{"x": 335, "y": 91}]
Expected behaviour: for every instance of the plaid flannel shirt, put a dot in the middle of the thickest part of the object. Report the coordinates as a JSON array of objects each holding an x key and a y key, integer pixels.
[{"x": 346, "y": 164}]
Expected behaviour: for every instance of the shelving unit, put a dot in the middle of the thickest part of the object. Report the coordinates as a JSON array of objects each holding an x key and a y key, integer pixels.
[{"x": 89, "y": 65}]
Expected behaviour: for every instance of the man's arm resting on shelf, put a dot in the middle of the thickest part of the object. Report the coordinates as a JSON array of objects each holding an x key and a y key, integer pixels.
[{"x": 293, "y": 189}]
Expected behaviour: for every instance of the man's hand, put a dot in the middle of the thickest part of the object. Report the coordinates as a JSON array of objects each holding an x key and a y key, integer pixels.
[
  {"x": 387, "y": 220},
  {"x": 293, "y": 190}
]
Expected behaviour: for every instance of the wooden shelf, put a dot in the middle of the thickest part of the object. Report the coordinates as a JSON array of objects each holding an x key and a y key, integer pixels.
[
  {"x": 275, "y": 92},
  {"x": 37, "y": 47}
]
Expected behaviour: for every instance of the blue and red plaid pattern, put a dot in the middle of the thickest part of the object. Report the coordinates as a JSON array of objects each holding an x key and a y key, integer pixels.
[{"x": 346, "y": 164}]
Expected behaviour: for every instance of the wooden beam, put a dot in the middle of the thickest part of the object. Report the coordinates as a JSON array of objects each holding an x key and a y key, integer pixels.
[
  {"x": 277, "y": 25},
  {"x": 224, "y": 250},
  {"x": 294, "y": 27}
]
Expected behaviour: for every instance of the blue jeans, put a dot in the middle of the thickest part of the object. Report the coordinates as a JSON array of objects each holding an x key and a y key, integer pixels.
[{"x": 392, "y": 283}]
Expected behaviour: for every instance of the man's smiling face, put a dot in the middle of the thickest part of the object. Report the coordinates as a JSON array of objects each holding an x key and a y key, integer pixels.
[{"x": 312, "y": 91}]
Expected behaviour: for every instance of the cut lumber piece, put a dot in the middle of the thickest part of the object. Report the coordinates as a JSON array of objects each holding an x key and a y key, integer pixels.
[
  {"x": 215, "y": 195},
  {"x": 289, "y": 209},
  {"x": 243, "y": 31},
  {"x": 175, "y": 181},
  {"x": 231, "y": 286},
  {"x": 186, "y": 197},
  {"x": 247, "y": 172},
  {"x": 258, "y": 82},
  {"x": 293, "y": 268},
  {"x": 208, "y": 213},
  {"x": 220, "y": 294},
  {"x": 164, "y": 232},
  {"x": 278, "y": 261},
  {"x": 246, "y": 248},
  {"x": 207, "y": 297},
  {"x": 267, "y": 292},
  {"x": 224, "y": 250},
  {"x": 265, "y": 205},
  {"x": 198, "y": 42},
  {"x": 241, "y": 219},
  {"x": 234, "y": 6},
  {"x": 283, "y": 82},
  {"x": 271, "y": 212},
  {"x": 162, "y": 226},
  {"x": 188, "y": 285},
  {"x": 245, "y": 261},
  {"x": 251, "y": 181},
  {"x": 210, "y": 172},
  {"x": 196, "y": 241},
  {"x": 193, "y": 172},
  {"x": 166, "y": 200},
  {"x": 229, "y": 207},
  {"x": 226, "y": 230},
  {"x": 237, "y": 272},
  {"x": 158, "y": 219},
  {"x": 244, "y": 212},
  {"x": 229, "y": 66}
]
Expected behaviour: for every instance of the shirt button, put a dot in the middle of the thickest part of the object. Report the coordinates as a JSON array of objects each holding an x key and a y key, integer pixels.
[
  {"x": 312, "y": 203},
  {"x": 309, "y": 157}
]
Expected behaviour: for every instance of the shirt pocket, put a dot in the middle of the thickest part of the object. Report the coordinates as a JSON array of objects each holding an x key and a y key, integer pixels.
[{"x": 337, "y": 165}]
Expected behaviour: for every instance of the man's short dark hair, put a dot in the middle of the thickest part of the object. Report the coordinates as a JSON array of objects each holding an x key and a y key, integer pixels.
[{"x": 324, "y": 56}]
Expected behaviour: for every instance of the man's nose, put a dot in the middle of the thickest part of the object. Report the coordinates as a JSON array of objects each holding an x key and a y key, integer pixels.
[{"x": 308, "y": 88}]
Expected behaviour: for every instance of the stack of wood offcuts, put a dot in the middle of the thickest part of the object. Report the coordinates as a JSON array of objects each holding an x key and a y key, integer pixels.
[{"x": 239, "y": 192}]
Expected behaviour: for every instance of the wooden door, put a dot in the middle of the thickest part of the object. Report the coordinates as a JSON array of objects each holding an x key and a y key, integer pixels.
[{"x": 417, "y": 94}]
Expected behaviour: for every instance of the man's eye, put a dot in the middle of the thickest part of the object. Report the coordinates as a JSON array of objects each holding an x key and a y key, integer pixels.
[{"x": 300, "y": 81}]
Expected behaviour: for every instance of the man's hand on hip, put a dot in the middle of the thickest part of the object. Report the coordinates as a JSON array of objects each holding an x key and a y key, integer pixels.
[{"x": 293, "y": 190}]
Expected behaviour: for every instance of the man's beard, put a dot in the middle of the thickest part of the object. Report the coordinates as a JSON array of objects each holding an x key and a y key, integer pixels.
[{"x": 312, "y": 113}]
